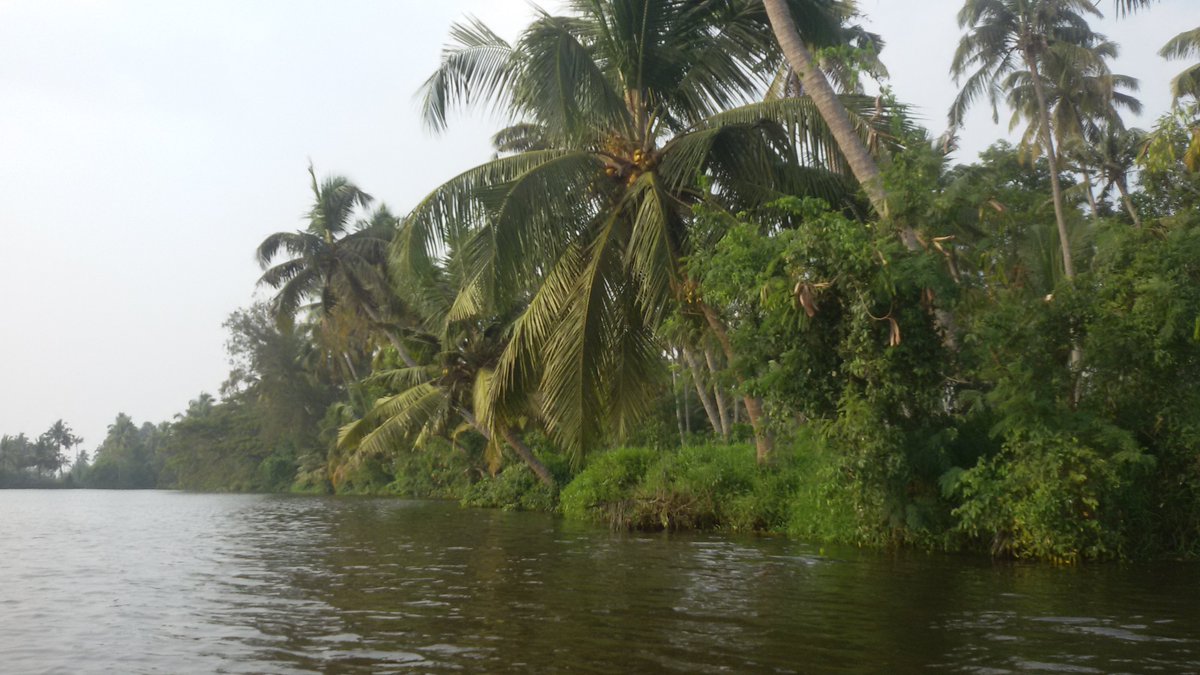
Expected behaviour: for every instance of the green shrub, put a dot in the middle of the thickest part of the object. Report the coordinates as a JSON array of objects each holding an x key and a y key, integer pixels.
[
  {"x": 603, "y": 490},
  {"x": 515, "y": 488},
  {"x": 438, "y": 470},
  {"x": 695, "y": 487},
  {"x": 1046, "y": 496}
]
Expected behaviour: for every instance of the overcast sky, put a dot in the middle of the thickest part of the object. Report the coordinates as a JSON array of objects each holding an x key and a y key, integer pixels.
[{"x": 147, "y": 147}]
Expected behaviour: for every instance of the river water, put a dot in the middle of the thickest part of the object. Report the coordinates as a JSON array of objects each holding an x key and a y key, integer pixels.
[{"x": 144, "y": 582}]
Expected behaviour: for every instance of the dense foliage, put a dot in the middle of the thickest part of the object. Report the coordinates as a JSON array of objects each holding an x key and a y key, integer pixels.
[{"x": 664, "y": 306}]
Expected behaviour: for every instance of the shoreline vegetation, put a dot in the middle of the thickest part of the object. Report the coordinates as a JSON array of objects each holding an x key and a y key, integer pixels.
[{"x": 708, "y": 283}]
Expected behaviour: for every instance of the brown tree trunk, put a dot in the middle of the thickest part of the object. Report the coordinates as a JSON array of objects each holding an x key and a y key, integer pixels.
[
  {"x": 710, "y": 408},
  {"x": 528, "y": 457},
  {"x": 718, "y": 394},
  {"x": 350, "y": 366},
  {"x": 864, "y": 167},
  {"x": 687, "y": 406},
  {"x": 391, "y": 336},
  {"x": 1125, "y": 199},
  {"x": 523, "y": 452},
  {"x": 1091, "y": 193},
  {"x": 678, "y": 407},
  {"x": 1060, "y": 215},
  {"x": 764, "y": 441}
]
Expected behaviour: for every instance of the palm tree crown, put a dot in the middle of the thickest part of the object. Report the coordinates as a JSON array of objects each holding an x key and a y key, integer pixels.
[
  {"x": 1183, "y": 46},
  {"x": 335, "y": 260},
  {"x": 618, "y": 108}
]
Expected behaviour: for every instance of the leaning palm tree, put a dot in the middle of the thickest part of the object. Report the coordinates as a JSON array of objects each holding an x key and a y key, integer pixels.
[
  {"x": 444, "y": 396},
  {"x": 622, "y": 110},
  {"x": 1001, "y": 36},
  {"x": 830, "y": 106}
]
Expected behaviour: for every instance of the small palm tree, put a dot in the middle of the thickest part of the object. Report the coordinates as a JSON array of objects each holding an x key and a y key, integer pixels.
[{"x": 1115, "y": 156}]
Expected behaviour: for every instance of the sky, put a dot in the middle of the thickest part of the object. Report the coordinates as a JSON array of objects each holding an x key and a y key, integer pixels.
[{"x": 147, "y": 147}]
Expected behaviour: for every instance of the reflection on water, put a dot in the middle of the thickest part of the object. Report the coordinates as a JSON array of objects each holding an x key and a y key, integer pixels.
[{"x": 172, "y": 582}]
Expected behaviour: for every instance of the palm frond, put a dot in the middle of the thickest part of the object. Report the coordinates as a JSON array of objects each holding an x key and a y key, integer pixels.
[{"x": 477, "y": 66}]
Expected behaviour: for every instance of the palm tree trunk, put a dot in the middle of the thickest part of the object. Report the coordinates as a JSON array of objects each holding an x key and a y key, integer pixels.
[
  {"x": 528, "y": 457},
  {"x": 391, "y": 336},
  {"x": 722, "y": 406},
  {"x": 516, "y": 444},
  {"x": 1052, "y": 157},
  {"x": 764, "y": 440},
  {"x": 1125, "y": 199},
  {"x": 828, "y": 104},
  {"x": 687, "y": 405},
  {"x": 678, "y": 407},
  {"x": 705, "y": 400},
  {"x": 350, "y": 367},
  {"x": 1091, "y": 193}
]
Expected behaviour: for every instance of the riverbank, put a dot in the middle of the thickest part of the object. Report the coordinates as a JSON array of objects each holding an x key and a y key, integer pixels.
[{"x": 810, "y": 492}]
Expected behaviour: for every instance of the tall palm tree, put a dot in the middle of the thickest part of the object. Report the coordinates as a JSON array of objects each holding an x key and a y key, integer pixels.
[
  {"x": 1003, "y": 34},
  {"x": 1086, "y": 100},
  {"x": 1083, "y": 96},
  {"x": 799, "y": 58},
  {"x": 623, "y": 105},
  {"x": 337, "y": 262},
  {"x": 56, "y": 442}
]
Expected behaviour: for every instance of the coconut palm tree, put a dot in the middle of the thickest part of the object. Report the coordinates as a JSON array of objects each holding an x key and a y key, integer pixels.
[
  {"x": 830, "y": 106},
  {"x": 1001, "y": 36},
  {"x": 1082, "y": 94},
  {"x": 1115, "y": 155},
  {"x": 622, "y": 107},
  {"x": 338, "y": 263},
  {"x": 1183, "y": 46},
  {"x": 53, "y": 446},
  {"x": 1086, "y": 101},
  {"x": 441, "y": 397}
]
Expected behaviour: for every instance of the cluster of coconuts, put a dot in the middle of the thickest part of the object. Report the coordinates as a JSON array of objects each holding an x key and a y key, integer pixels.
[{"x": 629, "y": 170}]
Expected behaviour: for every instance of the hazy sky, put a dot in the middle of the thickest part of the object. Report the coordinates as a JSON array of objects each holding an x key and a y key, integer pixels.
[{"x": 147, "y": 147}]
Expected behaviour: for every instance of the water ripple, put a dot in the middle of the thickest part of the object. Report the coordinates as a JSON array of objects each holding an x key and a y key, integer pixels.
[{"x": 169, "y": 582}]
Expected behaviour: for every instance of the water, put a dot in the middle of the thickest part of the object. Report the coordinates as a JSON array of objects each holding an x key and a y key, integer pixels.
[{"x": 145, "y": 582}]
